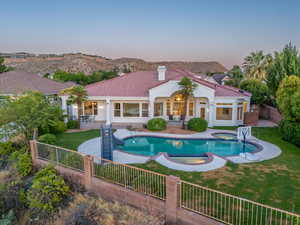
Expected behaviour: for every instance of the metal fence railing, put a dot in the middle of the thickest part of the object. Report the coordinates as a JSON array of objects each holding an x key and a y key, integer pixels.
[
  {"x": 230, "y": 209},
  {"x": 130, "y": 177},
  {"x": 60, "y": 156}
]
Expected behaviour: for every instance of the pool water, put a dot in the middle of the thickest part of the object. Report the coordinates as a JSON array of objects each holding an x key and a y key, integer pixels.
[{"x": 150, "y": 146}]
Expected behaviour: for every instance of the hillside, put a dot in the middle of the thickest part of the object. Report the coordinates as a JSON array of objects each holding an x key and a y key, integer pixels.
[{"x": 88, "y": 64}]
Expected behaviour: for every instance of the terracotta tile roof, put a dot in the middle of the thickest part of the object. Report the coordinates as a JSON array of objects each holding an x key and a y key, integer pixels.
[
  {"x": 17, "y": 82},
  {"x": 137, "y": 84}
]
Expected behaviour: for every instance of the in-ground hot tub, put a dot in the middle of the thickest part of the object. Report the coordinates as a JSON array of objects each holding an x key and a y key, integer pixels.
[{"x": 224, "y": 135}]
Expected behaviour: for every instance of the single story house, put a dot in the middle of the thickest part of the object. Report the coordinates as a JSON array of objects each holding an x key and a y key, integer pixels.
[
  {"x": 136, "y": 97},
  {"x": 17, "y": 82}
]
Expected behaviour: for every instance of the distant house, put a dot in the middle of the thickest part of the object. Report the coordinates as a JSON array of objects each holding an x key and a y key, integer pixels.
[
  {"x": 17, "y": 82},
  {"x": 221, "y": 78},
  {"x": 139, "y": 96}
]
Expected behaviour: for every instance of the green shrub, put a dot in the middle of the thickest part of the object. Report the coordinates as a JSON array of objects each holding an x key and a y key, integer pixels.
[
  {"x": 290, "y": 131},
  {"x": 157, "y": 124},
  {"x": 22, "y": 162},
  {"x": 47, "y": 190},
  {"x": 58, "y": 127},
  {"x": 73, "y": 124},
  {"x": 73, "y": 160},
  {"x": 7, "y": 219},
  {"x": 259, "y": 90},
  {"x": 48, "y": 139},
  {"x": 6, "y": 148},
  {"x": 197, "y": 124}
]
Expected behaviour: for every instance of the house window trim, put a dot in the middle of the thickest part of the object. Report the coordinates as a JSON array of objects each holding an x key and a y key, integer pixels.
[
  {"x": 140, "y": 114},
  {"x": 224, "y": 105}
]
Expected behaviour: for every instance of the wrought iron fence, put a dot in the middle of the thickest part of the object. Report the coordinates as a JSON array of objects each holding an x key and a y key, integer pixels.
[
  {"x": 130, "y": 177},
  {"x": 231, "y": 209},
  {"x": 60, "y": 156}
]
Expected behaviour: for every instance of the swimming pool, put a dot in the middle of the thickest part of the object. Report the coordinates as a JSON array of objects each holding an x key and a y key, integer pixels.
[{"x": 151, "y": 146}]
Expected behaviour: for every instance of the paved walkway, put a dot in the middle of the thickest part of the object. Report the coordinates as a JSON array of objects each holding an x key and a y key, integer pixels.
[
  {"x": 266, "y": 123},
  {"x": 269, "y": 151}
]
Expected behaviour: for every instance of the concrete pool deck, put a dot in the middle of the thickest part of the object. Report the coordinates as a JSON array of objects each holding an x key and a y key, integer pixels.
[{"x": 268, "y": 151}]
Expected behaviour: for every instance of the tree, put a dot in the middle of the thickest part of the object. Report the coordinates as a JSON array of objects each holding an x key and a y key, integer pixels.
[
  {"x": 237, "y": 76},
  {"x": 285, "y": 63},
  {"x": 187, "y": 88},
  {"x": 288, "y": 98},
  {"x": 4, "y": 68},
  {"x": 77, "y": 95},
  {"x": 255, "y": 65},
  {"x": 19, "y": 116},
  {"x": 258, "y": 89}
]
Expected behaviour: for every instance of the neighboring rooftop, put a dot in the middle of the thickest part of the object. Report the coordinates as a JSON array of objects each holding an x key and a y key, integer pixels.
[
  {"x": 219, "y": 78},
  {"x": 17, "y": 82},
  {"x": 137, "y": 84}
]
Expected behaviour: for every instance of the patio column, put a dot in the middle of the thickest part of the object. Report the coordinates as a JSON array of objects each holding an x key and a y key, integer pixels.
[
  {"x": 64, "y": 107},
  {"x": 211, "y": 113},
  {"x": 234, "y": 113},
  {"x": 108, "y": 112},
  {"x": 151, "y": 108}
]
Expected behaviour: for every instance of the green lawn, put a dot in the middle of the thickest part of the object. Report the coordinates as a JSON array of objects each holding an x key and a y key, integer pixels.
[
  {"x": 73, "y": 140},
  {"x": 274, "y": 182}
]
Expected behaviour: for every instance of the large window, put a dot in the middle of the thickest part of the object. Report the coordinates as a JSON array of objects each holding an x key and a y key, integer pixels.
[
  {"x": 240, "y": 111},
  {"x": 117, "y": 109},
  {"x": 131, "y": 109},
  {"x": 224, "y": 113},
  {"x": 145, "y": 108},
  {"x": 90, "y": 108},
  {"x": 158, "y": 109}
]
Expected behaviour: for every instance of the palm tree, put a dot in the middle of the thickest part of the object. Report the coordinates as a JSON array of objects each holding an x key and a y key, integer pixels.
[
  {"x": 187, "y": 90},
  {"x": 255, "y": 65},
  {"x": 77, "y": 95}
]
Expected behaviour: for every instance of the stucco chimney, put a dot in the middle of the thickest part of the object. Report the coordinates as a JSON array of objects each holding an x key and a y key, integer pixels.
[{"x": 161, "y": 72}]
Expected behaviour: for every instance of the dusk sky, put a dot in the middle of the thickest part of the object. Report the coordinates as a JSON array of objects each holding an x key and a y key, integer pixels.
[{"x": 224, "y": 31}]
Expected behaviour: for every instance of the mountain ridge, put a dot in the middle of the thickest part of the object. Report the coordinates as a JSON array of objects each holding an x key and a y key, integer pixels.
[{"x": 78, "y": 62}]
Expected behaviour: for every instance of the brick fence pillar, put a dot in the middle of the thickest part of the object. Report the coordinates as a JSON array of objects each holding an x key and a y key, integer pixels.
[
  {"x": 88, "y": 170},
  {"x": 33, "y": 151},
  {"x": 172, "y": 199}
]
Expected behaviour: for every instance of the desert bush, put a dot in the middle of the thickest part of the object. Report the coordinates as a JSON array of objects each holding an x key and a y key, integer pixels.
[
  {"x": 8, "y": 218},
  {"x": 47, "y": 191},
  {"x": 72, "y": 160},
  {"x": 48, "y": 139},
  {"x": 290, "y": 131},
  {"x": 157, "y": 124},
  {"x": 197, "y": 124},
  {"x": 73, "y": 124},
  {"x": 21, "y": 160},
  {"x": 6, "y": 148},
  {"x": 86, "y": 210},
  {"x": 10, "y": 187}
]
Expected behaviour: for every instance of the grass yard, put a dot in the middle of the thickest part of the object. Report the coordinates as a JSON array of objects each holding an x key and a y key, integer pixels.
[
  {"x": 73, "y": 140},
  {"x": 274, "y": 182}
]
